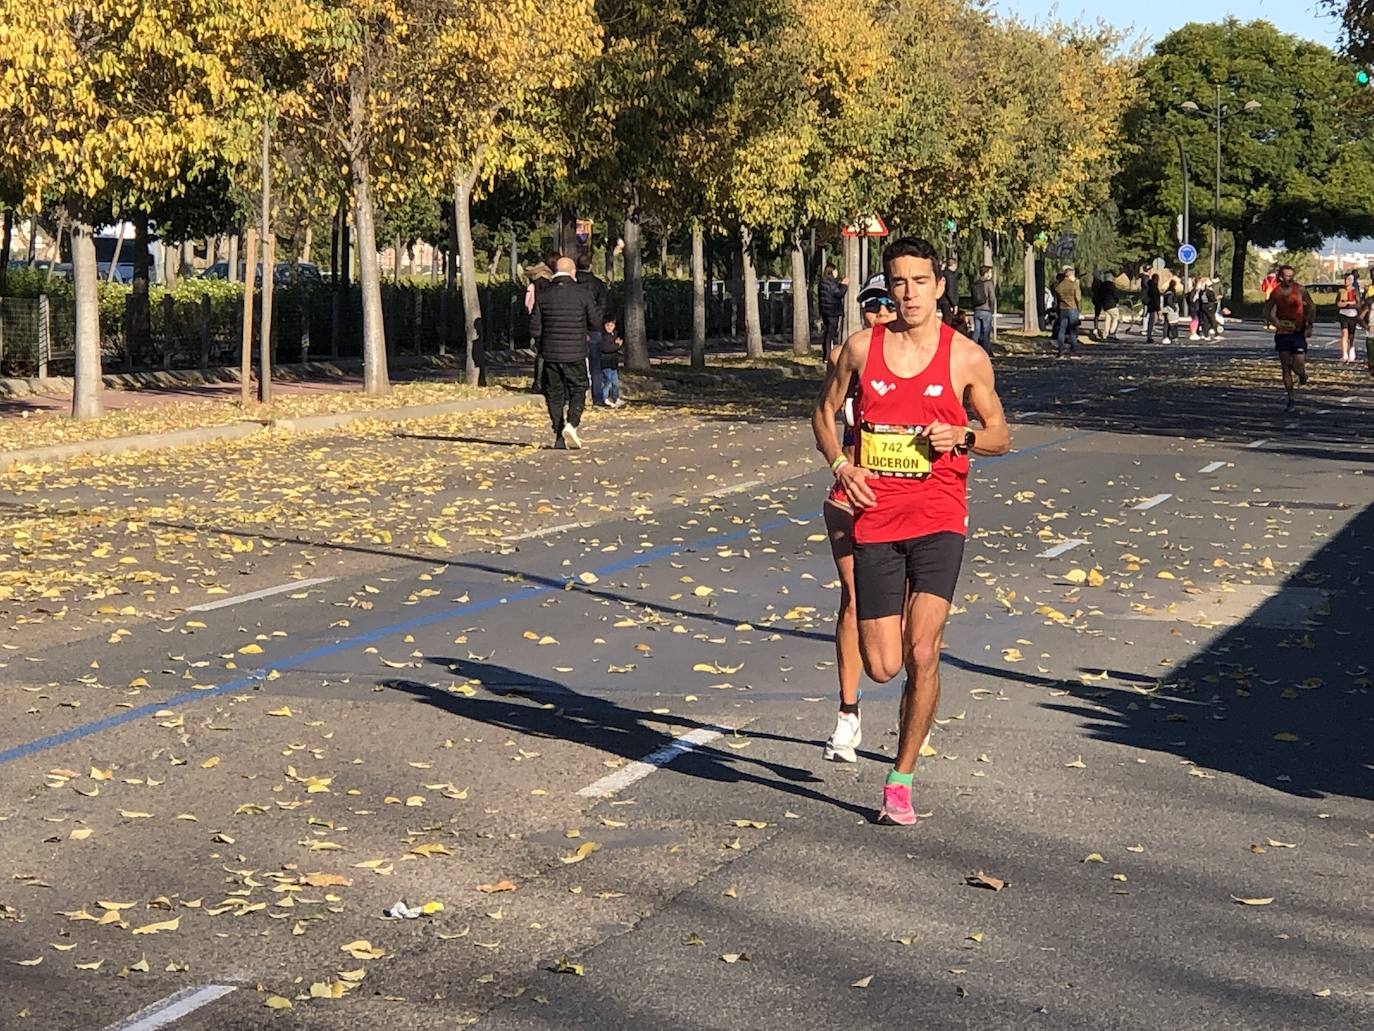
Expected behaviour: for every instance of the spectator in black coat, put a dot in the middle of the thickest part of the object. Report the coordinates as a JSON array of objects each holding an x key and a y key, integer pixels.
[
  {"x": 563, "y": 317},
  {"x": 949, "y": 299},
  {"x": 601, "y": 300},
  {"x": 1153, "y": 298},
  {"x": 831, "y": 306}
]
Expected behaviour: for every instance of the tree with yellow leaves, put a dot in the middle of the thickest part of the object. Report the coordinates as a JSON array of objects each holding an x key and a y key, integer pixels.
[{"x": 109, "y": 105}]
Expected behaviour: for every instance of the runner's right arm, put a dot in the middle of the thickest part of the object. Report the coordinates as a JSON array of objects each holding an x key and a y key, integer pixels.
[
  {"x": 1309, "y": 313},
  {"x": 850, "y": 363}
]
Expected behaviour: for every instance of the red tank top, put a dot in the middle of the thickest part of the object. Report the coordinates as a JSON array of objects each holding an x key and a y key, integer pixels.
[
  {"x": 911, "y": 505},
  {"x": 1289, "y": 308}
]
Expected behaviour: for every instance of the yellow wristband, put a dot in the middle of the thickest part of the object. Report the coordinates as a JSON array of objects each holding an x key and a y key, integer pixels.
[{"x": 840, "y": 461}]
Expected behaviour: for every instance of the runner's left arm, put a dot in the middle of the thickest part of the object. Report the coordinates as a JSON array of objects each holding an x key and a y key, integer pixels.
[{"x": 995, "y": 436}]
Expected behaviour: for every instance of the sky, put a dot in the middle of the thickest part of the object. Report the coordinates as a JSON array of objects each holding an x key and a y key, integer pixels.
[{"x": 1157, "y": 18}]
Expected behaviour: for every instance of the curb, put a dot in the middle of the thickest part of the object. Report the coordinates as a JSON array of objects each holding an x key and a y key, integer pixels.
[
  {"x": 247, "y": 428},
  {"x": 161, "y": 379}
]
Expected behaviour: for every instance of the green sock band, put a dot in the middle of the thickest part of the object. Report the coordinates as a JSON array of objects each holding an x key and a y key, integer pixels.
[{"x": 896, "y": 777}]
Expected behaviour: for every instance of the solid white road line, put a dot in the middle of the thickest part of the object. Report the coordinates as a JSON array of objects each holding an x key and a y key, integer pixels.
[
  {"x": 546, "y": 531},
  {"x": 1257, "y": 443},
  {"x": 1347, "y": 400},
  {"x": 627, "y": 775},
  {"x": 734, "y": 488},
  {"x": 266, "y": 592},
  {"x": 1149, "y": 503},
  {"x": 1059, "y": 549},
  {"x": 1027, "y": 415},
  {"x": 1211, "y": 467},
  {"x": 1128, "y": 390},
  {"x": 172, "y": 1008}
]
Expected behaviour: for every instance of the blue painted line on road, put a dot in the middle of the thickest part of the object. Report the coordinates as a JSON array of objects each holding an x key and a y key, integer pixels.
[{"x": 296, "y": 661}]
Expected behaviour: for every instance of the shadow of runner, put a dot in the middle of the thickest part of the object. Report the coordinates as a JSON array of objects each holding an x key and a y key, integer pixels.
[
  {"x": 1290, "y": 707},
  {"x": 604, "y": 725}
]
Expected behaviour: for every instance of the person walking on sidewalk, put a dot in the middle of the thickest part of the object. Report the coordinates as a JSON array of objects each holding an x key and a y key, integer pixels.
[
  {"x": 984, "y": 297},
  {"x": 1170, "y": 310},
  {"x": 1207, "y": 310},
  {"x": 1291, "y": 311},
  {"x": 908, "y": 484},
  {"x": 1111, "y": 308},
  {"x": 563, "y": 318},
  {"x": 1068, "y": 298},
  {"x": 601, "y": 300},
  {"x": 1154, "y": 300},
  {"x": 830, "y": 304},
  {"x": 611, "y": 343}
]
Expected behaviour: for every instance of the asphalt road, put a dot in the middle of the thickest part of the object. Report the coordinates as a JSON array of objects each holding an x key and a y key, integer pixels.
[{"x": 578, "y": 699}]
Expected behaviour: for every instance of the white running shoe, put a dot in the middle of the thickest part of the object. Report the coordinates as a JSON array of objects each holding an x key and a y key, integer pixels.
[
  {"x": 571, "y": 438},
  {"x": 846, "y": 737}
]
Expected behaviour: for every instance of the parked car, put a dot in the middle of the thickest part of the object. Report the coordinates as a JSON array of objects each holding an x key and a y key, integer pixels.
[{"x": 308, "y": 271}]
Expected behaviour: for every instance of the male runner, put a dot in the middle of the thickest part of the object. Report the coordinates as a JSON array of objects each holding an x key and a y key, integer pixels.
[
  {"x": 877, "y": 307},
  {"x": 1291, "y": 311},
  {"x": 908, "y": 487}
]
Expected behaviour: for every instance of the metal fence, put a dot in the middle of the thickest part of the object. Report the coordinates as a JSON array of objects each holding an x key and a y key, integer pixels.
[{"x": 37, "y": 333}]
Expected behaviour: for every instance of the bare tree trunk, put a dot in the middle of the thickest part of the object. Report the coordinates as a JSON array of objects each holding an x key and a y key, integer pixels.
[
  {"x": 473, "y": 329},
  {"x": 801, "y": 309},
  {"x": 269, "y": 270},
  {"x": 5, "y": 250},
  {"x": 234, "y": 256},
  {"x": 698, "y": 297},
  {"x": 269, "y": 257},
  {"x": 86, "y": 382},
  {"x": 141, "y": 324},
  {"x": 246, "y": 350},
  {"x": 114, "y": 261},
  {"x": 636, "y": 343},
  {"x": 514, "y": 259},
  {"x": 663, "y": 251},
  {"x": 305, "y": 247},
  {"x": 853, "y": 322},
  {"x": 608, "y": 259},
  {"x": 375, "y": 378},
  {"x": 57, "y": 252},
  {"x": 1030, "y": 303},
  {"x": 753, "y": 330},
  {"x": 170, "y": 268}
]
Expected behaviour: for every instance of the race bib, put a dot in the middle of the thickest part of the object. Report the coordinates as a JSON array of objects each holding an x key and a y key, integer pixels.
[
  {"x": 1286, "y": 325},
  {"x": 894, "y": 450}
]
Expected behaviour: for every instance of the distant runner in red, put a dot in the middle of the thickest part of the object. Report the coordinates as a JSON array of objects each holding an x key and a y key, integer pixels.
[
  {"x": 908, "y": 486},
  {"x": 1292, "y": 313}
]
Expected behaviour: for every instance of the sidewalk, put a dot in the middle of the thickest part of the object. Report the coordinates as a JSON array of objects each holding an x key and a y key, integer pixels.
[{"x": 175, "y": 409}]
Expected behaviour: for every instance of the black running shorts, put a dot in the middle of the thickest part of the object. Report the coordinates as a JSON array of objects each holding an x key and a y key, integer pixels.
[
  {"x": 1293, "y": 342},
  {"x": 884, "y": 573}
]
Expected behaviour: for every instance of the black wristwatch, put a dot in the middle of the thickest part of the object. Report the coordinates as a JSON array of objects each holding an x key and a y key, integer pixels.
[{"x": 967, "y": 445}]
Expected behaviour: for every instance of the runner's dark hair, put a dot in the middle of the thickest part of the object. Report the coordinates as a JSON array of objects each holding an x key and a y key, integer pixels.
[
  {"x": 1288, "y": 267},
  {"x": 910, "y": 247}
]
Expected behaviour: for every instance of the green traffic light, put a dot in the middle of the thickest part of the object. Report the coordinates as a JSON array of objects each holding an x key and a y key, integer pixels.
[{"x": 1362, "y": 77}]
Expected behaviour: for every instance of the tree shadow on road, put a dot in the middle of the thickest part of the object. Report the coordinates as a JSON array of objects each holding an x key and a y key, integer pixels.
[
  {"x": 1290, "y": 706},
  {"x": 529, "y": 704}
]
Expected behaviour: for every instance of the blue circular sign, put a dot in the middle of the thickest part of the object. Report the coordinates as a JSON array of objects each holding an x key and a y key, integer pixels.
[{"x": 1187, "y": 254}]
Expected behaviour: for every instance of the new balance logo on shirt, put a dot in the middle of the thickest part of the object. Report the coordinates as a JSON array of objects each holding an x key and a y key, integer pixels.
[
  {"x": 880, "y": 387},
  {"x": 935, "y": 390}
]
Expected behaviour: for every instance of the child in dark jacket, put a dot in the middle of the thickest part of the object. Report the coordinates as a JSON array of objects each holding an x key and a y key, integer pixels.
[{"x": 611, "y": 344}]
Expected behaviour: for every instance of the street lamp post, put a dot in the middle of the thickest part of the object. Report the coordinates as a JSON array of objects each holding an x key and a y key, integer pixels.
[
  {"x": 1220, "y": 114},
  {"x": 1183, "y": 161}
]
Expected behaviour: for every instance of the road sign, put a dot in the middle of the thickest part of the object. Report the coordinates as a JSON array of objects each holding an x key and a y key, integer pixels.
[
  {"x": 871, "y": 226},
  {"x": 1187, "y": 254}
]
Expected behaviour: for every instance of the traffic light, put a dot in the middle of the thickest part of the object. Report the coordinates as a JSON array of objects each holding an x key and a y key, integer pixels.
[
  {"x": 1362, "y": 76},
  {"x": 951, "y": 225}
]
